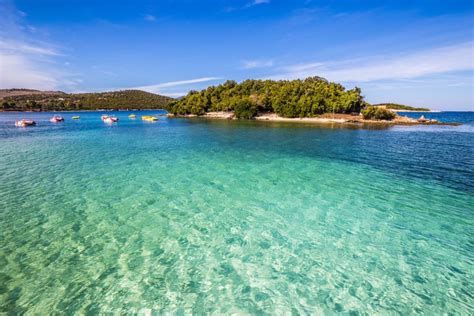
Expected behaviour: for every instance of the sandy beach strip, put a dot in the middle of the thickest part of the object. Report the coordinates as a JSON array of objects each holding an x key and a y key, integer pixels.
[
  {"x": 276, "y": 118},
  {"x": 323, "y": 119}
]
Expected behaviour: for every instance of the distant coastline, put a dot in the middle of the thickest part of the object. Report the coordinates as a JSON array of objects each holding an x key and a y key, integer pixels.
[
  {"x": 396, "y": 107},
  {"x": 415, "y": 111},
  {"x": 45, "y": 101}
]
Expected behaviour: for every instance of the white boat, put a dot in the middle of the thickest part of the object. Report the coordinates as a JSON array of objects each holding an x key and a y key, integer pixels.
[
  {"x": 109, "y": 119},
  {"x": 56, "y": 119},
  {"x": 25, "y": 123}
]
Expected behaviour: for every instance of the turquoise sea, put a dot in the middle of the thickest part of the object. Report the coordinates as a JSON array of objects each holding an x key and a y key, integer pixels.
[{"x": 196, "y": 216}]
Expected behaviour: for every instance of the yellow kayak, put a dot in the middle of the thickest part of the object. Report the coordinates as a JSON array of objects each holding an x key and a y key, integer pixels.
[
  {"x": 132, "y": 116},
  {"x": 149, "y": 118},
  {"x": 76, "y": 117}
]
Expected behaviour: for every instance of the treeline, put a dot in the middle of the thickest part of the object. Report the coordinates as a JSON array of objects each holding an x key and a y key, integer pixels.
[
  {"x": 395, "y": 106},
  {"x": 117, "y": 100},
  {"x": 296, "y": 98}
]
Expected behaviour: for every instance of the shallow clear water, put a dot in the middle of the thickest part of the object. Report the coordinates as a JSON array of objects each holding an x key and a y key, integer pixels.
[{"x": 204, "y": 216}]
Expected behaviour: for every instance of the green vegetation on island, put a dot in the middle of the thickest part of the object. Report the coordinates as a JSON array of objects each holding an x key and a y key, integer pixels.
[
  {"x": 34, "y": 100},
  {"x": 297, "y": 98},
  {"x": 395, "y": 106},
  {"x": 377, "y": 113}
]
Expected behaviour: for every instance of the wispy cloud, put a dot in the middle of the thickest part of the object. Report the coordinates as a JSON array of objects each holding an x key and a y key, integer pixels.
[
  {"x": 27, "y": 48},
  {"x": 19, "y": 72},
  {"x": 303, "y": 67},
  {"x": 257, "y": 2},
  {"x": 178, "y": 83},
  {"x": 412, "y": 65},
  {"x": 246, "y": 6},
  {"x": 162, "y": 88},
  {"x": 25, "y": 61},
  {"x": 149, "y": 18},
  {"x": 27, "y": 65},
  {"x": 258, "y": 63}
]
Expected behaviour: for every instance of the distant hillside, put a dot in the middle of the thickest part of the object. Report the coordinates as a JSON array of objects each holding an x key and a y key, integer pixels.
[
  {"x": 395, "y": 106},
  {"x": 17, "y": 92},
  {"x": 34, "y": 100}
]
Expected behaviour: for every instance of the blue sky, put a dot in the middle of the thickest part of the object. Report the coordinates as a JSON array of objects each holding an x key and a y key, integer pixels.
[{"x": 413, "y": 52}]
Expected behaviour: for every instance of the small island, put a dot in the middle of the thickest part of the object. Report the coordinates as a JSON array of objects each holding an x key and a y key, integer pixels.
[
  {"x": 402, "y": 108},
  {"x": 312, "y": 100}
]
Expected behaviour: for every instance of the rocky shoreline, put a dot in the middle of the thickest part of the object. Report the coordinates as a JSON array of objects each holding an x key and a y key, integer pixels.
[{"x": 322, "y": 119}]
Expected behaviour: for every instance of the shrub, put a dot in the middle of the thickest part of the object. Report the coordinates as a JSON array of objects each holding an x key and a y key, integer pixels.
[
  {"x": 377, "y": 113},
  {"x": 244, "y": 108}
]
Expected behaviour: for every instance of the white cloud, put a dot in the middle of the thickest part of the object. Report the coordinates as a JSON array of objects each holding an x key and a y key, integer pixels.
[
  {"x": 157, "y": 88},
  {"x": 26, "y": 62},
  {"x": 439, "y": 60},
  {"x": 150, "y": 18},
  {"x": 19, "y": 72},
  {"x": 28, "y": 48},
  {"x": 303, "y": 67},
  {"x": 251, "y": 64},
  {"x": 246, "y": 6},
  {"x": 27, "y": 65},
  {"x": 32, "y": 29},
  {"x": 256, "y": 2}
]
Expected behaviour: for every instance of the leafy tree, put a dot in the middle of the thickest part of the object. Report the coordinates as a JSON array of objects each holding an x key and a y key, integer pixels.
[{"x": 245, "y": 108}]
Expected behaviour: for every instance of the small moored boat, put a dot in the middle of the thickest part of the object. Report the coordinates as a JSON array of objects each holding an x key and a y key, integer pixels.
[
  {"x": 149, "y": 118},
  {"x": 132, "y": 116},
  {"x": 109, "y": 119},
  {"x": 56, "y": 119},
  {"x": 76, "y": 117},
  {"x": 25, "y": 123}
]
